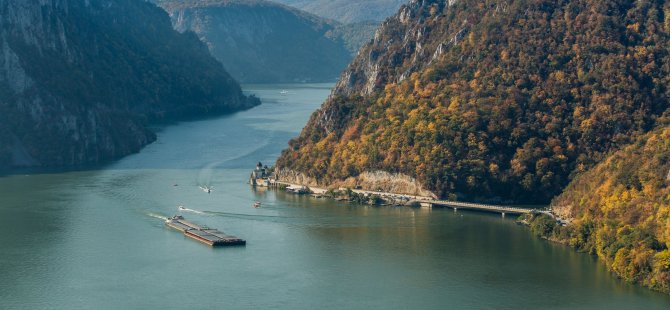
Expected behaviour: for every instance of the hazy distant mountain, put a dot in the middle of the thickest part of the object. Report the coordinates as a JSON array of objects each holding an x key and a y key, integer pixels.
[
  {"x": 349, "y": 11},
  {"x": 260, "y": 41},
  {"x": 355, "y": 35},
  {"x": 79, "y": 79}
]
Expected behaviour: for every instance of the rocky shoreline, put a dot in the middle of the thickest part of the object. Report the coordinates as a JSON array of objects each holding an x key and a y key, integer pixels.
[{"x": 373, "y": 183}]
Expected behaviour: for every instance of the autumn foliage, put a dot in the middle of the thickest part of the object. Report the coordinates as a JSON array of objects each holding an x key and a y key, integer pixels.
[
  {"x": 500, "y": 101},
  {"x": 621, "y": 212}
]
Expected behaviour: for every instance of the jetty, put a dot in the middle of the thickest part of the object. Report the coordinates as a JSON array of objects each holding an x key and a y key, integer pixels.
[{"x": 211, "y": 237}]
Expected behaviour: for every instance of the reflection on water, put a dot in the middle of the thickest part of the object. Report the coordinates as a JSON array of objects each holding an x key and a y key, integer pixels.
[{"x": 95, "y": 239}]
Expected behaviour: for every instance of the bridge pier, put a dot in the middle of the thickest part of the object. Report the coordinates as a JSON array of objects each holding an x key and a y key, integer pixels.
[{"x": 427, "y": 205}]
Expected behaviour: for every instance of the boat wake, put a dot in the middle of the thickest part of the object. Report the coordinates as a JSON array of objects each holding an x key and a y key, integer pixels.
[
  {"x": 316, "y": 222},
  {"x": 206, "y": 189},
  {"x": 158, "y": 216},
  {"x": 204, "y": 178},
  {"x": 245, "y": 216},
  {"x": 212, "y": 170},
  {"x": 183, "y": 209}
]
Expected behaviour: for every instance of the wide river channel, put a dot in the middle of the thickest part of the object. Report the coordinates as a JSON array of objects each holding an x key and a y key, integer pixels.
[{"x": 95, "y": 239}]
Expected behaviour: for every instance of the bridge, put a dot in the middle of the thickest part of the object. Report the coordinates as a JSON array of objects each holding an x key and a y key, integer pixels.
[
  {"x": 428, "y": 202},
  {"x": 475, "y": 206}
]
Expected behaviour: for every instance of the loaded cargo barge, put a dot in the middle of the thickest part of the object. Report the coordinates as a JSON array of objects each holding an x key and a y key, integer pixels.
[{"x": 211, "y": 237}]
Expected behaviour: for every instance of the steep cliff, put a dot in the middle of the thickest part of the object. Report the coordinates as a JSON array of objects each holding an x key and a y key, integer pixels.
[
  {"x": 264, "y": 42},
  {"x": 80, "y": 79},
  {"x": 496, "y": 100},
  {"x": 348, "y": 11}
]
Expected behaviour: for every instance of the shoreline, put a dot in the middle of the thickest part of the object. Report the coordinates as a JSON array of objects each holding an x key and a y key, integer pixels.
[
  {"x": 322, "y": 191},
  {"x": 539, "y": 223},
  {"x": 395, "y": 199}
]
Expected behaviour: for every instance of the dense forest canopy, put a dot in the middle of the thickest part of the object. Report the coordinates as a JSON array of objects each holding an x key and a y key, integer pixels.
[
  {"x": 621, "y": 211},
  {"x": 493, "y": 100}
]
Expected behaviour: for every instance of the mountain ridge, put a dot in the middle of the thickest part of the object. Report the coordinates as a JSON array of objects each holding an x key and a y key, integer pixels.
[
  {"x": 266, "y": 42},
  {"x": 516, "y": 102},
  {"x": 79, "y": 81},
  {"x": 446, "y": 95},
  {"x": 348, "y": 11}
]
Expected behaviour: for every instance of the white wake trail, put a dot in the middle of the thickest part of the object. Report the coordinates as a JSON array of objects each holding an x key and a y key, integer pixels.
[
  {"x": 183, "y": 209},
  {"x": 158, "y": 216}
]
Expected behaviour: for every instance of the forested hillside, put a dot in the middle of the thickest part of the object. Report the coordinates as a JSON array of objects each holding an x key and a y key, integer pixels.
[
  {"x": 493, "y": 100},
  {"x": 353, "y": 36},
  {"x": 79, "y": 80},
  {"x": 265, "y": 42},
  {"x": 348, "y": 11},
  {"x": 620, "y": 210}
]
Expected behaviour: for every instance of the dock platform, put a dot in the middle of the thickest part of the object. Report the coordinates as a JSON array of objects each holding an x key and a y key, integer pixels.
[{"x": 211, "y": 237}]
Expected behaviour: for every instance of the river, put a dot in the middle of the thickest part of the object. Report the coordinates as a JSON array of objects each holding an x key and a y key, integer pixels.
[{"x": 94, "y": 239}]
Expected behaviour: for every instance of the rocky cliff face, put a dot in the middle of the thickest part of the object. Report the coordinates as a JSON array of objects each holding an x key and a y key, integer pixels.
[
  {"x": 379, "y": 181},
  {"x": 498, "y": 100},
  {"x": 80, "y": 79},
  {"x": 402, "y": 45},
  {"x": 264, "y": 42}
]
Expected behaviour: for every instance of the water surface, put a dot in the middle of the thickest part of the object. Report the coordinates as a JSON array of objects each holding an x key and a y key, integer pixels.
[{"x": 95, "y": 239}]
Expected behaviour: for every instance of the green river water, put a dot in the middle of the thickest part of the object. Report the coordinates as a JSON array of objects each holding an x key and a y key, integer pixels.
[{"x": 94, "y": 239}]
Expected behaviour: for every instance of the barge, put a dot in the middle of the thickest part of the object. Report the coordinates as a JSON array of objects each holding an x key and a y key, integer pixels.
[{"x": 211, "y": 237}]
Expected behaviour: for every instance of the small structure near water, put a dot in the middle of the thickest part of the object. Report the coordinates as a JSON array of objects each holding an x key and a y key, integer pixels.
[{"x": 262, "y": 176}]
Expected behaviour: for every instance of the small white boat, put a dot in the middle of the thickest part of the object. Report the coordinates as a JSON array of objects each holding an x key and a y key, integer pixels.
[
  {"x": 206, "y": 189},
  {"x": 181, "y": 208},
  {"x": 257, "y": 204},
  {"x": 284, "y": 92}
]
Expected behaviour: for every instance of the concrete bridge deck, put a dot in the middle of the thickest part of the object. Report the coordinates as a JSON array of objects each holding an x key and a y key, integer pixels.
[
  {"x": 475, "y": 206},
  {"x": 428, "y": 202}
]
